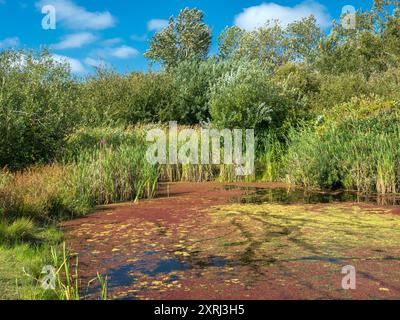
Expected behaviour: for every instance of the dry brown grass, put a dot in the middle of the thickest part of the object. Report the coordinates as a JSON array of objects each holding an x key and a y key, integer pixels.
[{"x": 36, "y": 192}]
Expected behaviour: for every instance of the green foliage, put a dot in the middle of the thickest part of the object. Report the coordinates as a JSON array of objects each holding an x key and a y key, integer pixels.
[
  {"x": 386, "y": 85},
  {"x": 20, "y": 268},
  {"x": 88, "y": 139},
  {"x": 274, "y": 79},
  {"x": 96, "y": 173},
  {"x": 264, "y": 45},
  {"x": 21, "y": 230},
  {"x": 302, "y": 40},
  {"x": 185, "y": 38},
  {"x": 372, "y": 47},
  {"x": 337, "y": 89},
  {"x": 271, "y": 45},
  {"x": 37, "y": 108},
  {"x": 298, "y": 86},
  {"x": 193, "y": 82},
  {"x": 108, "y": 165},
  {"x": 109, "y": 175},
  {"x": 243, "y": 98},
  {"x": 270, "y": 160},
  {"x": 359, "y": 152},
  {"x": 113, "y": 99}
]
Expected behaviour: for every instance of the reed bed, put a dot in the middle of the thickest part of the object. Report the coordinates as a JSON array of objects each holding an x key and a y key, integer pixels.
[
  {"x": 110, "y": 175},
  {"x": 356, "y": 154}
]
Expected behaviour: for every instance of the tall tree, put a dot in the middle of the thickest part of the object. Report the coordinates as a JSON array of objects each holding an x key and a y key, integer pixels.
[
  {"x": 369, "y": 48},
  {"x": 186, "y": 38},
  {"x": 272, "y": 44},
  {"x": 302, "y": 40},
  {"x": 263, "y": 45}
]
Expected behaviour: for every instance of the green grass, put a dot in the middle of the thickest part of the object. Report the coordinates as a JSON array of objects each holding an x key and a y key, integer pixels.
[
  {"x": 25, "y": 249},
  {"x": 32, "y": 202},
  {"x": 269, "y": 161},
  {"x": 21, "y": 230}
]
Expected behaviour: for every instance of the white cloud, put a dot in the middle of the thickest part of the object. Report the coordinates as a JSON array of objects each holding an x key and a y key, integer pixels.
[
  {"x": 255, "y": 17},
  {"x": 123, "y": 52},
  {"x": 76, "y": 65},
  {"x": 9, "y": 43},
  {"x": 75, "y": 17},
  {"x": 76, "y": 40},
  {"x": 156, "y": 24}
]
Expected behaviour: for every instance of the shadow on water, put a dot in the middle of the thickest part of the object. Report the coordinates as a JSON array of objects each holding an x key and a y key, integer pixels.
[{"x": 302, "y": 196}]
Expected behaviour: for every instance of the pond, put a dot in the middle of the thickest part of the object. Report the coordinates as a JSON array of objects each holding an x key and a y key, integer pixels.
[{"x": 218, "y": 241}]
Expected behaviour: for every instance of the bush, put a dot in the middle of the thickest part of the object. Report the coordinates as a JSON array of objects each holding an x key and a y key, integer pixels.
[
  {"x": 387, "y": 84},
  {"x": 244, "y": 98},
  {"x": 193, "y": 81},
  {"x": 338, "y": 89},
  {"x": 113, "y": 99},
  {"x": 39, "y": 107}
]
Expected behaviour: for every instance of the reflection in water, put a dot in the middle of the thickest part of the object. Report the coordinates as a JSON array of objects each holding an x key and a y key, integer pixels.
[
  {"x": 301, "y": 196},
  {"x": 123, "y": 275}
]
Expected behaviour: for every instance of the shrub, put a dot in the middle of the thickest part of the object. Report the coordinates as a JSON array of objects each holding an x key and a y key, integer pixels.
[
  {"x": 338, "y": 89},
  {"x": 386, "y": 84},
  {"x": 193, "y": 81},
  {"x": 113, "y": 99},
  {"x": 244, "y": 98},
  {"x": 39, "y": 108}
]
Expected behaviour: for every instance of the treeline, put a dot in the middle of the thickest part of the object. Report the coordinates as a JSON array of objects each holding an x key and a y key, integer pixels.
[{"x": 278, "y": 80}]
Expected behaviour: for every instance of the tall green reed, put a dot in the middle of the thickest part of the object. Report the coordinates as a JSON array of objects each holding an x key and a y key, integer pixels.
[
  {"x": 108, "y": 175},
  {"x": 356, "y": 154}
]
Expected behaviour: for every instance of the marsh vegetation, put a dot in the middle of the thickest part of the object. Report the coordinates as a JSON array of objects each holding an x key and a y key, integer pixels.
[{"x": 325, "y": 109}]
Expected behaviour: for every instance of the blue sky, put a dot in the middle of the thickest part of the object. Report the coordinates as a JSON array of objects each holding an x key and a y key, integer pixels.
[{"x": 116, "y": 32}]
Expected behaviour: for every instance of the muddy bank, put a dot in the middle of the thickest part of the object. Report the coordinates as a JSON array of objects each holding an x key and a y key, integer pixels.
[{"x": 212, "y": 241}]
